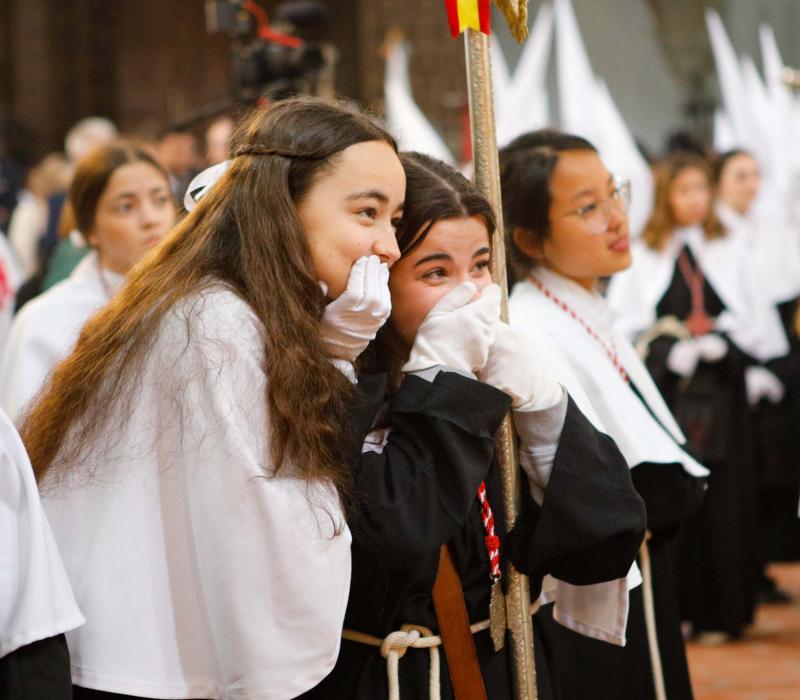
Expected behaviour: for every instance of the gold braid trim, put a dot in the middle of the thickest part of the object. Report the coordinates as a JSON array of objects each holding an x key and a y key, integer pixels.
[{"x": 516, "y": 14}]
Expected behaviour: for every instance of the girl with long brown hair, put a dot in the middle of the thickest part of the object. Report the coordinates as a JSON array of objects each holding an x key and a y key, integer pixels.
[
  {"x": 693, "y": 302},
  {"x": 120, "y": 199},
  {"x": 194, "y": 450},
  {"x": 581, "y": 520}
]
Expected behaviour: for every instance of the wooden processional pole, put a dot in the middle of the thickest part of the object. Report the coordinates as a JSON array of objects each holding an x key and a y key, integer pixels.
[{"x": 487, "y": 180}]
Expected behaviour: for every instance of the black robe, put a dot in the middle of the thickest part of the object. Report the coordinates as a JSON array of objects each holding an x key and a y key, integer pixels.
[
  {"x": 37, "y": 671},
  {"x": 719, "y": 559},
  {"x": 778, "y": 449},
  {"x": 420, "y": 493},
  {"x": 586, "y": 668}
]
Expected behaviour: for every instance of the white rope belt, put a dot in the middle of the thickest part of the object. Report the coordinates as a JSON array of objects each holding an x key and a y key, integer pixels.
[{"x": 394, "y": 646}]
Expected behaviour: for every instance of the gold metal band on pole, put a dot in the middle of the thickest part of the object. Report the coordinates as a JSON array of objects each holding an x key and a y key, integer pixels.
[{"x": 487, "y": 179}]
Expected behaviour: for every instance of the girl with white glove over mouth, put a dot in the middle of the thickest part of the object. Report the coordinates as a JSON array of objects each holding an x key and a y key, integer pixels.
[
  {"x": 567, "y": 226},
  {"x": 693, "y": 302},
  {"x": 444, "y": 349},
  {"x": 195, "y": 450}
]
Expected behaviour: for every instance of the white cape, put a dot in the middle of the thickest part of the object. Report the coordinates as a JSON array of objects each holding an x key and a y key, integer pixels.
[
  {"x": 581, "y": 364},
  {"x": 36, "y": 600},
  {"x": 45, "y": 330},
  {"x": 775, "y": 250},
  {"x": 201, "y": 573},
  {"x": 750, "y": 318}
]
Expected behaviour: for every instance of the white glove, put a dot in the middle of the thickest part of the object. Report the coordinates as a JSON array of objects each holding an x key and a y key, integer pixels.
[
  {"x": 683, "y": 357},
  {"x": 760, "y": 383},
  {"x": 514, "y": 366},
  {"x": 457, "y": 332},
  {"x": 712, "y": 347},
  {"x": 350, "y": 322}
]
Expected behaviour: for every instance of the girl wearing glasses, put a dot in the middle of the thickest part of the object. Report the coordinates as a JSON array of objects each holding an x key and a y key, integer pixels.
[
  {"x": 566, "y": 220},
  {"x": 704, "y": 327}
]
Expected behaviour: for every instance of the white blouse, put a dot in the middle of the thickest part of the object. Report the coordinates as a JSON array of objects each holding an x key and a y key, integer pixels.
[
  {"x": 46, "y": 328},
  {"x": 36, "y": 600},
  {"x": 201, "y": 572}
]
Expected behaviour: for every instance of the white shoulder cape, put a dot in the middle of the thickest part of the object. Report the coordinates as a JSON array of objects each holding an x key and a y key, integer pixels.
[
  {"x": 36, "y": 600},
  {"x": 201, "y": 572},
  {"x": 750, "y": 318},
  {"x": 582, "y": 365},
  {"x": 46, "y": 329},
  {"x": 775, "y": 250}
]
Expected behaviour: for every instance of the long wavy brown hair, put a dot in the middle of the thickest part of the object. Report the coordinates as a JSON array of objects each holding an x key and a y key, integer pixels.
[
  {"x": 246, "y": 233},
  {"x": 662, "y": 221}
]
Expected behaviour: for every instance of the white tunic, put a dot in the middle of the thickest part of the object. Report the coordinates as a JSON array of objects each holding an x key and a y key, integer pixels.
[
  {"x": 10, "y": 280},
  {"x": 582, "y": 364},
  {"x": 201, "y": 574},
  {"x": 36, "y": 600},
  {"x": 775, "y": 250},
  {"x": 750, "y": 317},
  {"x": 46, "y": 328}
]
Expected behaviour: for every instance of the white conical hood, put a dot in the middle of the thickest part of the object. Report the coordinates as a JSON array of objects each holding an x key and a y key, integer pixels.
[
  {"x": 730, "y": 79},
  {"x": 587, "y": 109},
  {"x": 724, "y": 136},
  {"x": 527, "y": 102},
  {"x": 404, "y": 119}
]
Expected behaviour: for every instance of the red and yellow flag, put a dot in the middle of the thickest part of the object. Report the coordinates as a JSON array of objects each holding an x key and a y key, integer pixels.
[{"x": 468, "y": 14}]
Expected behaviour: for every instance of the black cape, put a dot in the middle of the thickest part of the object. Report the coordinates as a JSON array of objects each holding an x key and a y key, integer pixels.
[
  {"x": 719, "y": 552},
  {"x": 420, "y": 493}
]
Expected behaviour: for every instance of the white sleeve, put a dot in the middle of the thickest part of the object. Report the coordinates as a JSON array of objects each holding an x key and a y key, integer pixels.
[
  {"x": 36, "y": 599},
  {"x": 274, "y": 575},
  {"x": 28, "y": 356}
]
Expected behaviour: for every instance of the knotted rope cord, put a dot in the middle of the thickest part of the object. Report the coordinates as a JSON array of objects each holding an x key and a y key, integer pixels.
[
  {"x": 650, "y": 621},
  {"x": 395, "y": 644}
]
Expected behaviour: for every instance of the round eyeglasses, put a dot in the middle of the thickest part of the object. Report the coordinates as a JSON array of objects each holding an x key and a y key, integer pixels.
[{"x": 597, "y": 215}]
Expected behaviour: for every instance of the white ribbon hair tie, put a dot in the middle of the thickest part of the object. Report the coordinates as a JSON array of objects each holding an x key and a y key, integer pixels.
[{"x": 203, "y": 182}]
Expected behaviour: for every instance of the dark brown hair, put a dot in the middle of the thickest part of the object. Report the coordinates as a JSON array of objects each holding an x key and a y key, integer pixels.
[
  {"x": 434, "y": 191},
  {"x": 718, "y": 166},
  {"x": 93, "y": 173},
  {"x": 526, "y": 168},
  {"x": 246, "y": 233},
  {"x": 662, "y": 221}
]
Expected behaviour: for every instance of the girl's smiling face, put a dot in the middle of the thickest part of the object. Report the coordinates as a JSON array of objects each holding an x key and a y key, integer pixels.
[{"x": 453, "y": 251}]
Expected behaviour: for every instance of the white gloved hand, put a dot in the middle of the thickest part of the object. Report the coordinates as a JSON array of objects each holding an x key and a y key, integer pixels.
[
  {"x": 515, "y": 368},
  {"x": 457, "y": 332},
  {"x": 712, "y": 347},
  {"x": 683, "y": 357},
  {"x": 760, "y": 383},
  {"x": 350, "y": 322}
]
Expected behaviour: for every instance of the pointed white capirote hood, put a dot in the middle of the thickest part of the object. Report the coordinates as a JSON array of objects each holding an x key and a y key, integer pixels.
[
  {"x": 587, "y": 109},
  {"x": 404, "y": 119}
]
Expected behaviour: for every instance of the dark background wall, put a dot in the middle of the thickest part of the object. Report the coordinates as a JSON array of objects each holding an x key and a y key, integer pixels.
[{"x": 147, "y": 63}]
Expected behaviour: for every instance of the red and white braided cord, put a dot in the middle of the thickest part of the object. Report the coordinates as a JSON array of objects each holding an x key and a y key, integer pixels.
[{"x": 492, "y": 541}]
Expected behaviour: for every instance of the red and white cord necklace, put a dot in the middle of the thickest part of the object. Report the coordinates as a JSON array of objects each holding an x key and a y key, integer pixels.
[{"x": 610, "y": 350}]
